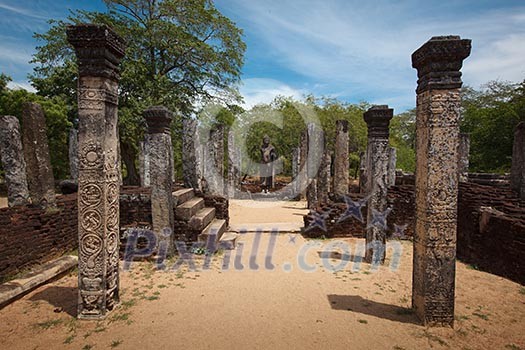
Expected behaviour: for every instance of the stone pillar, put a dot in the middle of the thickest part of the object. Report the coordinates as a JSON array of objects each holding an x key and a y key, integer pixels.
[
  {"x": 392, "y": 161},
  {"x": 377, "y": 119},
  {"x": 438, "y": 63},
  {"x": 99, "y": 51},
  {"x": 315, "y": 152},
  {"x": 323, "y": 178},
  {"x": 73, "y": 154},
  {"x": 158, "y": 119},
  {"x": 517, "y": 173},
  {"x": 191, "y": 151},
  {"x": 234, "y": 166},
  {"x": 12, "y": 157},
  {"x": 463, "y": 156},
  {"x": 214, "y": 162},
  {"x": 144, "y": 161},
  {"x": 40, "y": 180},
  {"x": 296, "y": 167},
  {"x": 342, "y": 160},
  {"x": 303, "y": 155},
  {"x": 363, "y": 160}
]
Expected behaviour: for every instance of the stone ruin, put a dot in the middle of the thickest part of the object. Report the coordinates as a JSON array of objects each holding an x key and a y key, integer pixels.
[{"x": 424, "y": 208}]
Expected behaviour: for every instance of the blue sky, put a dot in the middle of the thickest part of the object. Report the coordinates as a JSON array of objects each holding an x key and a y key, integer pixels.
[{"x": 352, "y": 50}]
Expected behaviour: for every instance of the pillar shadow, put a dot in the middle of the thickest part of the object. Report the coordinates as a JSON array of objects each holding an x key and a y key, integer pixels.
[
  {"x": 339, "y": 256},
  {"x": 355, "y": 303},
  {"x": 63, "y": 298}
]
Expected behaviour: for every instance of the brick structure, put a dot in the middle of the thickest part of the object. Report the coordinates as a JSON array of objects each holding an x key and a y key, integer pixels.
[
  {"x": 12, "y": 157},
  {"x": 40, "y": 180},
  {"x": 377, "y": 119},
  {"x": 517, "y": 173},
  {"x": 438, "y": 63},
  {"x": 99, "y": 51},
  {"x": 159, "y": 119},
  {"x": 341, "y": 159}
]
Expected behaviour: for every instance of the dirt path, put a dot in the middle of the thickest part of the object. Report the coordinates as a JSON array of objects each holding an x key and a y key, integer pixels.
[
  {"x": 249, "y": 211},
  {"x": 283, "y": 308}
]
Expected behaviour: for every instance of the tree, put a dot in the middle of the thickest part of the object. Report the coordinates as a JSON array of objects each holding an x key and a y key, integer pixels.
[{"x": 179, "y": 52}]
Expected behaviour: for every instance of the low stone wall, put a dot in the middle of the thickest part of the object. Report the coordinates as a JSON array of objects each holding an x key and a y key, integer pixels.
[{"x": 221, "y": 205}]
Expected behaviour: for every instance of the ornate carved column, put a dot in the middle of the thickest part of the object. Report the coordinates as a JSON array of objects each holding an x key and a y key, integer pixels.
[
  {"x": 161, "y": 173},
  {"x": 12, "y": 157},
  {"x": 377, "y": 119},
  {"x": 342, "y": 161},
  {"x": 99, "y": 51},
  {"x": 392, "y": 162},
  {"x": 73, "y": 154},
  {"x": 438, "y": 63}
]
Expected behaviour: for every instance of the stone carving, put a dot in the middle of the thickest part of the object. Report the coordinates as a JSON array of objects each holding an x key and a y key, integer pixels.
[
  {"x": 191, "y": 155},
  {"x": 341, "y": 167},
  {"x": 99, "y": 51},
  {"x": 40, "y": 178},
  {"x": 214, "y": 161},
  {"x": 73, "y": 154},
  {"x": 517, "y": 173},
  {"x": 323, "y": 178},
  {"x": 268, "y": 156},
  {"x": 392, "y": 161},
  {"x": 144, "y": 161},
  {"x": 463, "y": 156},
  {"x": 159, "y": 119},
  {"x": 377, "y": 119},
  {"x": 438, "y": 63},
  {"x": 12, "y": 157}
]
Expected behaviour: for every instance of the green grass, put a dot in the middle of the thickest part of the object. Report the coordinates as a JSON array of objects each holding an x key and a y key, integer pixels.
[
  {"x": 363, "y": 321},
  {"x": 480, "y": 315},
  {"x": 512, "y": 347},
  {"x": 153, "y": 297},
  {"x": 128, "y": 303},
  {"x": 87, "y": 347},
  {"x": 49, "y": 324},
  {"x": 69, "y": 339},
  {"x": 522, "y": 290},
  {"x": 120, "y": 317},
  {"x": 116, "y": 343}
]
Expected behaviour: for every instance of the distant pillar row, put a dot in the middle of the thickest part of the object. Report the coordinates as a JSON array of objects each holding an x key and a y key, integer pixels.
[
  {"x": 99, "y": 51},
  {"x": 438, "y": 63}
]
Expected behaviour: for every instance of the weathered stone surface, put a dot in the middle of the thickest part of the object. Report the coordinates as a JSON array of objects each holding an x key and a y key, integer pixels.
[
  {"x": 214, "y": 161},
  {"x": 392, "y": 161},
  {"x": 99, "y": 51},
  {"x": 463, "y": 156},
  {"x": 377, "y": 119},
  {"x": 12, "y": 157},
  {"x": 191, "y": 155},
  {"x": 73, "y": 154},
  {"x": 363, "y": 161},
  {"x": 517, "y": 173},
  {"x": 302, "y": 182},
  {"x": 40, "y": 180},
  {"x": 234, "y": 166},
  {"x": 296, "y": 166},
  {"x": 324, "y": 178},
  {"x": 144, "y": 161},
  {"x": 311, "y": 194},
  {"x": 158, "y": 119},
  {"x": 438, "y": 107},
  {"x": 342, "y": 160}
]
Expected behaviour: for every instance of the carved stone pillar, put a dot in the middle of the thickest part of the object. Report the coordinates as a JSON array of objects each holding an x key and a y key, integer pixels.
[
  {"x": 12, "y": 157},
  {"x": 159, "y": 120},
  {"x": 438, "y": 63},
  {"x": 40, "y": 178},
  {"x": 296, "y": 167},
  {"x": 377, "y": 119},
  {"x": 191, "y": 155},
  {"x": 73, "y": 154},
  {"x": 342, "y": 161},
  {"x": 303, "y": 167},
  {"x": 144, "y": 161},
  {"x": 363, "y": 161},
  {"x": 214, "y": 162},
  {"x": 234, "y": 166},
  {"x": 315, "y": 152},
  {"x": 392, "y": 161},
  {"x": 99, "y": 51},
  {"x": 323, "y": 178},
  {"x": 463, "y": 156}
]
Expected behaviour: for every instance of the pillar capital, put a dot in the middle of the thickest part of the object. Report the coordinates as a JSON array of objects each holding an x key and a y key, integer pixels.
[
  {"x": 158, "y": 119},
  {"x": 378, "y": 119},
  {"x": 438, "y": 62},
  {"x": 98, "y": 48}
]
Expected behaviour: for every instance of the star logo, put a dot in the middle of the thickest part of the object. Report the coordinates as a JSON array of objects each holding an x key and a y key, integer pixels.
[
  {"x": 379, "y": 219},
  {"x": 353, "y": 209},
  {"x": 318, "y": 220},
  {"x": 399, "y": 231},
  {"x": 291, "y": 239}
]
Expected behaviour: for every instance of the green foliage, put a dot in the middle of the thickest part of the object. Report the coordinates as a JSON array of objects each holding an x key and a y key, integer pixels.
[
  {"x": 178, "y": 53},
  {"x": 490, "y": 116},
  {"x": 55, "y": 110},
  {"x": 403, "y": 138}
]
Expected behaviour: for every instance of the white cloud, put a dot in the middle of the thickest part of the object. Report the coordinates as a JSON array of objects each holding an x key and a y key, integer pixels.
[
  {"x": 22, "y": 11},
  {"x": 20, "y": 85},
  {"x": 259, "y": 90}
]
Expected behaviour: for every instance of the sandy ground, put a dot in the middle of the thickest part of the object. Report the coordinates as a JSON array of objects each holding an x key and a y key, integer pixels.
[
  {"x": 284, "y": 308},
  {"x": 249, "y": 211}
]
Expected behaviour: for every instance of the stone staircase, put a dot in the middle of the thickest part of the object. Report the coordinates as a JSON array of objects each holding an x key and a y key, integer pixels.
[{"x": 196, "y": 222}]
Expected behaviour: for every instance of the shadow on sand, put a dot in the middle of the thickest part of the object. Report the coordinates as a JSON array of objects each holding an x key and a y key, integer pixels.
[{"x": 62, "y": 298}]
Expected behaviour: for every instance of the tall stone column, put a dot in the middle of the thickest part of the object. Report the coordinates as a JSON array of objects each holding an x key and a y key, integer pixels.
[
  {"x": 214, "y": 163},
  {"x": 144, "y": 161},
  {"x": 315, "y": 152},
  {"x": 303, "y": 166},
  {"x": 342, "y": 160},
  {"x": 324, "y": 177},
  {"x": 392, "y": 162},
  {"x": 73, "y": 154},
  {"x": 12, "y": 157},
  {"x": 438, "y": 63},
  {"x": 296, "y": 167},
  {"x": 40, "y": 178},
  {"x": 191, "y": 159},
  {"x": 159, "y": 119},
  {"x": 377, "y": 119},
  {"x": 234, "y": 166},
  {"x": 363, "y": 175},
  {"x": 99, "y": 51},
  {"x": 517, "y": 172},
  {"x": 463, "y": 156}
]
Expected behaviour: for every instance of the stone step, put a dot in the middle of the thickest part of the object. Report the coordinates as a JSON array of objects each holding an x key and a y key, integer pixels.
[
  {"x": 217, "y": 228},
  {"x": 189, "y": 208},
  {"x": 228, "y": 240},
  {"x": 202, "y": 219},
  {"x": 183, "y": 195}
]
